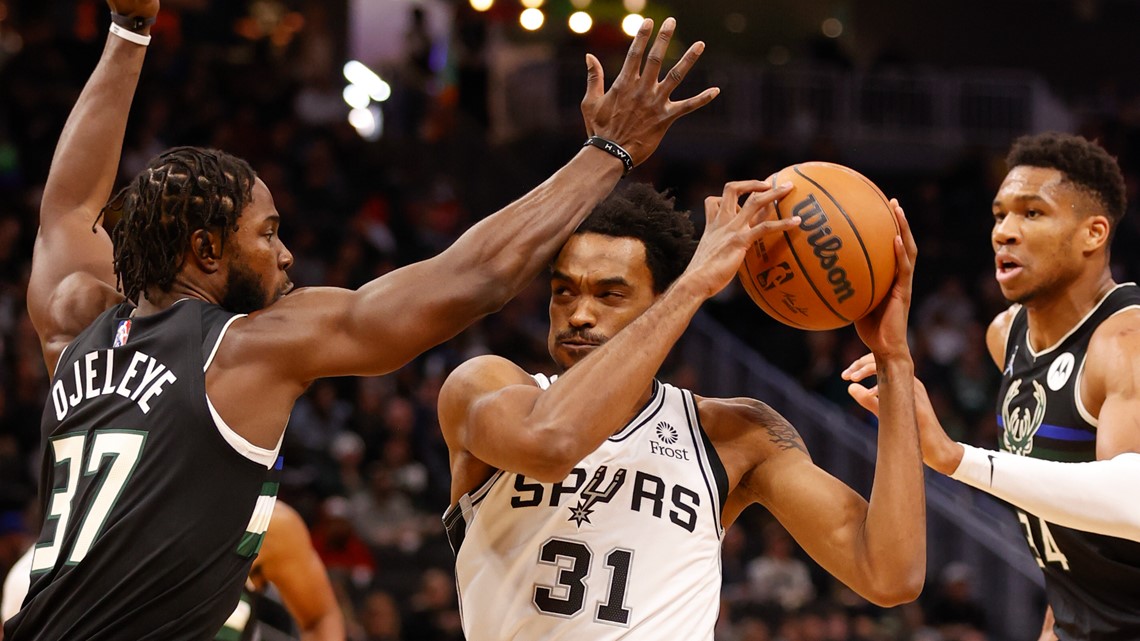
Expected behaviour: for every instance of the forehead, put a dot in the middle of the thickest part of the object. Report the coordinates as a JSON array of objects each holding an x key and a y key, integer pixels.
[
  {"x": 1024, "y": 182},
  {"x": 595, "y": 256},
  {"x": 261, "y": 206}
]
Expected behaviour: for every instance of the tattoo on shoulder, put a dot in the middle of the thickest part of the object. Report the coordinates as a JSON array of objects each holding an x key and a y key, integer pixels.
[
  {"x": 785, "y": 436},
  {"x": 780, "y": 431}
]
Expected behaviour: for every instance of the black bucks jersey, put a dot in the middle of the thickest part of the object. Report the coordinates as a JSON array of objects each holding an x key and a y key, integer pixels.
[
  {"x": 153, "y": 507},
  {"x": 627, "y": 546},
  {"x": 1092, "y": 580}
]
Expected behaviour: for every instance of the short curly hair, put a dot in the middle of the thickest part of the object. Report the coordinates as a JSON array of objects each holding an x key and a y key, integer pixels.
[
  {"x": 181, "y": 191},
  {"x": 1083, "y": 163},
  {"x": 641, "y": 212}
]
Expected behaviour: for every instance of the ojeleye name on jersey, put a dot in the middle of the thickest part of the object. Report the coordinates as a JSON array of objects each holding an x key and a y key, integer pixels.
[{"x": 96, "y": 374}]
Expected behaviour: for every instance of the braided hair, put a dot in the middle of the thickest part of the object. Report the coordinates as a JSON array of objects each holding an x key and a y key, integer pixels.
[{"x": 181, "y": 191}]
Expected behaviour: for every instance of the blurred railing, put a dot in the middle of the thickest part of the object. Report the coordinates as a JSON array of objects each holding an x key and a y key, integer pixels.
[
  {"x": 962, "y": 524},
  {"x": 891, "y": 119}
]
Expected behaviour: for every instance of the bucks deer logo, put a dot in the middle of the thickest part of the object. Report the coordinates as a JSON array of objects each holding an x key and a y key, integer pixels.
[{"x": 1021, "y": 425}]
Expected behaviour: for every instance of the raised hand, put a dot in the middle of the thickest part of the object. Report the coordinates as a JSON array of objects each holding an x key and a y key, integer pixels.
[
  {"x": 637, "y": 110},
  {"x": 140, "y": 8},
  {"x": 939, "y": 451},
  {"x": 883, "y": 331},
  {"x": 731, "y": 228}
]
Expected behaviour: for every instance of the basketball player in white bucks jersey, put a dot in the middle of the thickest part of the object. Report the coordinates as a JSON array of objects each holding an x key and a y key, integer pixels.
[
  {"x": 1069, "y": 403},
  {"x": 593, "y": 507}
]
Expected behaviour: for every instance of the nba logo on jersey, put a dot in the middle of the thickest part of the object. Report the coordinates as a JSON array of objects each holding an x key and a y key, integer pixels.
[{"x": 122, "y": 333}]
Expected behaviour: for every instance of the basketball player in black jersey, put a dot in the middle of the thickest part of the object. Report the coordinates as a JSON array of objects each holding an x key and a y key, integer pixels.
[
  {"x": 168, "y": 403},
  {"x": 1069, "y": 403},
  {"x": 287, "y": 559},
  {"x": 623, "y": 290}
]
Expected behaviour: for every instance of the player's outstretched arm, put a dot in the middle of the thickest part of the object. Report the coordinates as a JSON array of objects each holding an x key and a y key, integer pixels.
[
  {"x": 489, "y": 408},
  {"x": 1083, "y": 496},
  {"x": 393, "y": 319},
  {"x": 72, "y": 279},
  {"x": 289, "y": 561},
  {"x": 876, "y": 547}
]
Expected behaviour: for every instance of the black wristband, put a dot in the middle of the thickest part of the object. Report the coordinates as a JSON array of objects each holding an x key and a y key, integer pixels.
[
  {"x": 613, "y": 149},
  {"x": 132, "y": 23}
]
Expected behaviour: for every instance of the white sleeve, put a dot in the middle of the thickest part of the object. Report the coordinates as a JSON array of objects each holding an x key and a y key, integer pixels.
[
  {"x": 16, "y": 586},
  {"x": 1093, "y": 497}
]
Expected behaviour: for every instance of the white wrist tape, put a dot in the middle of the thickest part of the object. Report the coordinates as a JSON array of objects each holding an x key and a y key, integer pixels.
[
  {"x": 1092, "y": 497},
  {"x": 129, "y": 35}
]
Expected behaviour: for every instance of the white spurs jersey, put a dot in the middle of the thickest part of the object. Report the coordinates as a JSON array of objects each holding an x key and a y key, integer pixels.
[{"x": 627, "y": 546}]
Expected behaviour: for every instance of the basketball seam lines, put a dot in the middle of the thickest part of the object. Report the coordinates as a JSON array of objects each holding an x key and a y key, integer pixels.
[
  {"x": 804, "y": 271},
  {"x": 854, "y": 229}
]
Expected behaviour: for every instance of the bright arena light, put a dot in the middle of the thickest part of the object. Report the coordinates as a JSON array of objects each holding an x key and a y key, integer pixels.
[
  {"x": 532, "y": 19},
  {"x": 634, "y": 6},
  {"x": 481, "y": 5},
  {"x": 358, "y": 73},
  {"x": 357, "y": 97},
  {"x": 631, "y": 23},
  {"x": 532, "y": 4},
  {"x": 580, "y": 22},
  {"x": 364, "y": 121}
]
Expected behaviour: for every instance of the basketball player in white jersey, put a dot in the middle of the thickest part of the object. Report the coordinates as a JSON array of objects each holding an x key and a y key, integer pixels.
[
  {"x": 287, "y": 560},
  {"x": 593, "y": 507}
]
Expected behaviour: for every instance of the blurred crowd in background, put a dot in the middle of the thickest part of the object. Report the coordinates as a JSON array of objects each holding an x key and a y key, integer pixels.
[{"x": 365, "y": 462}]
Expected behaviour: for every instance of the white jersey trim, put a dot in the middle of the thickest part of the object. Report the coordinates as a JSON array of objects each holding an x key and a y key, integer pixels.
[
  {"x": 1080, "y": 403},
  {"x": 1081, "y": 409},
  {"x": 241, "y": 446},
  {"x": 252, "y": 452},
  {"x": 218, "y": 343},
  {"x": 704, "y": 460},
  {"x": 1074, "y": 328}
]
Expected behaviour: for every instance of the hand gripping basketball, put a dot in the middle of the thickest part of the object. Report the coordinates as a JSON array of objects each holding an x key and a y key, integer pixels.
[
  {"x": 637, "y": 110},
  {"x": 731, "y": 228}
]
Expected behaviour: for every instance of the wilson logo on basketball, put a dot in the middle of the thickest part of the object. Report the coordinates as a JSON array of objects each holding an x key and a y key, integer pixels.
[{"x": 825, "y": 245}]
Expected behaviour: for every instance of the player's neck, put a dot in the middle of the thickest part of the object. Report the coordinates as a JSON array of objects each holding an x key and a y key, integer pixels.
[
  {"x": 642, "y": 401},
  {"x": 155, "y": 300},
  {"x": 1052, "y": 317}
]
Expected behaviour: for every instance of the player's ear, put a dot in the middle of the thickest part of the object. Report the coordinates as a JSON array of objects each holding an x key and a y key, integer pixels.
[
  {"x": 1097, "y": 230},
  {"x": 206, "y": 249}
]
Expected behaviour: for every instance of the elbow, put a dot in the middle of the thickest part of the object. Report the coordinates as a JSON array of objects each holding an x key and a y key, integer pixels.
[
  {"x": 898, "y": 590},
  {"x": 555, "y": 456}
]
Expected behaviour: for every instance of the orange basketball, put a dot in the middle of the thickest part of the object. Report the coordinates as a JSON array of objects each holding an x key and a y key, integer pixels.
[{"x": 838, "y": 264}]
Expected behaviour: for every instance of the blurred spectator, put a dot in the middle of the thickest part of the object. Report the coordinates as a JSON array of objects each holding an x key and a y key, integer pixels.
[
  {"x": 778, "y": 576},
  {"x": 343, "y": 552},
  {"x": 953, "y": 610}
]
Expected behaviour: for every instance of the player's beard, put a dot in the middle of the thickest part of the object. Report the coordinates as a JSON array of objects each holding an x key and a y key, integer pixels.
[{"x": 244, "y": 292}]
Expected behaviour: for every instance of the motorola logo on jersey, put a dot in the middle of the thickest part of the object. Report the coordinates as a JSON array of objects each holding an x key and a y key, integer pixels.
[
  {"x": 1060, "y": 371},
  {"x": 647, "y": 494},
  {"x": 1021, "y": 425}
]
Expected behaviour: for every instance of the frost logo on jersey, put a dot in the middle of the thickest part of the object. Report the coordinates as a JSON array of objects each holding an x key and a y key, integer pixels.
[
  {"x": 593, "y": 493},
  {"x": 1060, "y": 371},
  {"x": 122, "y": 333},
  {"x": 667, "y": 433},
  {"x": 1020, "y": 425}
]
